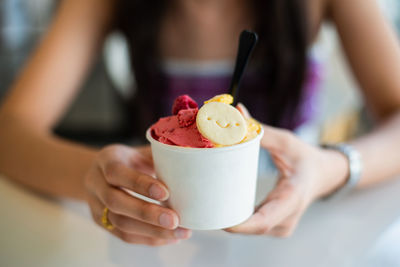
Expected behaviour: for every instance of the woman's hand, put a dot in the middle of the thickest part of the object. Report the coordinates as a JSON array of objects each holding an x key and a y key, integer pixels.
[
  {"x": 134, "y": 220},
  {"x": 305, "y": 174}
]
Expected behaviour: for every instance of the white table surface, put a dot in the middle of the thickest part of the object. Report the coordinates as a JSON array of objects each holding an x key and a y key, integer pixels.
[{"x": 360, "y": 230}]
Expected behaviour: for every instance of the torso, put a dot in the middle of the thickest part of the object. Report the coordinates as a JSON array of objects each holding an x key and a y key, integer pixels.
[{"x": 188, "y": 29}]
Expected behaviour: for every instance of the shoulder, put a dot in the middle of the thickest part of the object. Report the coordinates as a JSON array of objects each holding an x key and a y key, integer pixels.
[{"x": 90, "y": 9}]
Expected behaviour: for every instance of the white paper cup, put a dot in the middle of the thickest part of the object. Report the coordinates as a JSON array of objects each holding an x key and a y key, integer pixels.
[{"x": 210, "y": 188}]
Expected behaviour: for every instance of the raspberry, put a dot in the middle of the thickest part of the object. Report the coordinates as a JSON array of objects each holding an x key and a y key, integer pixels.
[{"x": 183, "y": 102}]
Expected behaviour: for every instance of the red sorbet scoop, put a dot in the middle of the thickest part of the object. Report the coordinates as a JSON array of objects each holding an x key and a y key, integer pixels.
[{"x": 183, "y": 102}]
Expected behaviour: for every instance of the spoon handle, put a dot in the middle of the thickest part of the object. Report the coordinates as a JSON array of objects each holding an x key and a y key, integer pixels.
[{"x": 247, "y": 42}]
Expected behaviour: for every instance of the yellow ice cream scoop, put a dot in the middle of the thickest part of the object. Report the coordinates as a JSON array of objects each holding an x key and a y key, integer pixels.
[
  {"x": 253, "y": 125},
  {"x": 221, "y": 123},
  {"x": 253, "y": 129},
  {"x": 224, "y": 98}
]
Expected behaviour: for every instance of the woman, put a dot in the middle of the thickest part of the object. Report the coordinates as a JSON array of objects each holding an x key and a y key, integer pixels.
[{"x": 198, "y": 31}]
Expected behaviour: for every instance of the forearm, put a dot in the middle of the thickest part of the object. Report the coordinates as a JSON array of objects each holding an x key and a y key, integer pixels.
[
  {"x": 374, "y": 55},
  {"x": 379, "y": 156},
  {"x": 380, "y": 151},
  {"x": 42, "y": 161}
]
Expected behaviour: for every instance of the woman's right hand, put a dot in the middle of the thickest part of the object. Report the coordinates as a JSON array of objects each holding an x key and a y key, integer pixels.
[{"x": 134, "y": 220}]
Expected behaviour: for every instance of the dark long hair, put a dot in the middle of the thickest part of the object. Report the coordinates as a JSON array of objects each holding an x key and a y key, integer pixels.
[{"x": 280, "y": 58}]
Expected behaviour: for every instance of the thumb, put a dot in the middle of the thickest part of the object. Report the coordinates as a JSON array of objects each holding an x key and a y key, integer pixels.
[
  {"x": 278, "y": 205},
  {"x": 246, "y": 114},
  {"x": 277, "y": 140},
  {"x": 274, "y": 139}
]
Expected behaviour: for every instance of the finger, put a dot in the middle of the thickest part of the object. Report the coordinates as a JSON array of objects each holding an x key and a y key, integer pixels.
[
  {"x": 132, "y": 226},
  {"x": 287, "y": 228},
  {"x": 143, "y": 158},
  {"x": 122, "y": 203},
  {"x": 146, "y": 153},
  {"x": 143, "y": 165},
  {"x": 254, "y": 225},
  {"x": 280, "y": 204},
  {"x": 144, "y": 168},
  {"x": 119, "y": 175},
  {"x": 284, "y": 168},
  {"x": 281, "y": 232},
  {"x": 96, "y": 208},
  {"x": 144, "y": 240},
  {"x": 245, "y": 112}
]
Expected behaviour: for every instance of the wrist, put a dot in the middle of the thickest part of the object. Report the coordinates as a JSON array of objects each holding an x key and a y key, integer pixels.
[{"x": 335, "y": 172}]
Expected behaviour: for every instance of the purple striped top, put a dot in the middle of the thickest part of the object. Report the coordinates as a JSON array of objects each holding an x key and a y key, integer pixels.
[{"x": 203, "y": 80}]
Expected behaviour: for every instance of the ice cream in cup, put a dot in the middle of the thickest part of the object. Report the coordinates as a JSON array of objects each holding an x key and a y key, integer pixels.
[{"x": 208, "y": 159}]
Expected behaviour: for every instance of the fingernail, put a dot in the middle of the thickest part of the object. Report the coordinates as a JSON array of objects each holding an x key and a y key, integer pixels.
[
  {"x": 182, "y": 233},
  {"x": 157, "y": 192},
  {"x": 166, "y": 220}
]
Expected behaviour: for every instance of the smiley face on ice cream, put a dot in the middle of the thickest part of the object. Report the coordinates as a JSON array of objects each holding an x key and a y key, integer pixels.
[{"x": 221, "y": 123}]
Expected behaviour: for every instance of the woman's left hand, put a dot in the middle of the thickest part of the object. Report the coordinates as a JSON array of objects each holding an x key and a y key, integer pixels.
[{"x": 306, "y": 173}]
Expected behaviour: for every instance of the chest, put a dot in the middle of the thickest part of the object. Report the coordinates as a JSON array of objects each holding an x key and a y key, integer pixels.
[{"x": 211, "y": 36}]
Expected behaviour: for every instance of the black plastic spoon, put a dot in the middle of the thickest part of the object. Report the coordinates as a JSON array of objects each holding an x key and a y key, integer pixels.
[{"x": 247, "y": 42}]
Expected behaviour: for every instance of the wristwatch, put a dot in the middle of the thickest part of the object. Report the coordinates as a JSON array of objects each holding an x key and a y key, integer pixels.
[{"x": 355, "y": 167}]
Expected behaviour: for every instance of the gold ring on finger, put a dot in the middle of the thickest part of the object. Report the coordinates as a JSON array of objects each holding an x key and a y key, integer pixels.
[{"x": 104, "y": 220}]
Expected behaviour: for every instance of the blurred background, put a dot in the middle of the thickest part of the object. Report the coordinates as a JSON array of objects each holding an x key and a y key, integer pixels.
[{"x": 97, "y": 115}]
